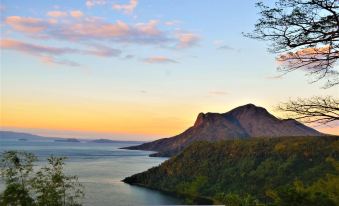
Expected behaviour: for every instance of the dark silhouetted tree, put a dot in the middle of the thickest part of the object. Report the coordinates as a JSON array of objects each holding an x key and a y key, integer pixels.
[
  {"x": 316, "y": 109},
  {"x": 304, "y": 34}
]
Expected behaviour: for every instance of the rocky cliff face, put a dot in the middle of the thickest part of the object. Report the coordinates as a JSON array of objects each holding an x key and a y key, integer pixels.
[{"x": 240, "y": 123}]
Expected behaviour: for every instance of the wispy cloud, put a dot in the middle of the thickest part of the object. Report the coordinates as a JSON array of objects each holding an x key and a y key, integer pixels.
[
  {"x": 53, "y": 60},
  {"x": 91, "y": 3},
  {"x": 57, "y": 14},
  {"x": 76, "y": 14},
  {"x": 48, "y": 54},
  {"x": 87, "y": 31},
  {"x": 27, "y": 24},
  {"x": 90, "y": 28},
  {"x": 159, "y": 60},
  {"x": 187, "y": 39},
  {"x": 33, "y": 48},
  {"x": 126, "y": 8}
]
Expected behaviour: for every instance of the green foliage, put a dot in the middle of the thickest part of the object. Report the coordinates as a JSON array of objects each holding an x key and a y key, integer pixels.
[
  {"x": 16, "y": 168},
  {"x": 232, "y": 199},
  {"x": 264, "y": 169},
  {"x": 298, "y": 195},
  {"x": 47, "y": 186}
]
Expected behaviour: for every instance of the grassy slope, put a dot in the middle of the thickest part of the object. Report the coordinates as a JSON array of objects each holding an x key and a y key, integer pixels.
[{"x": 253, "y": 166}]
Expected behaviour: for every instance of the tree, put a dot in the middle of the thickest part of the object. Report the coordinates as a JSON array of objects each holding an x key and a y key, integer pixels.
[
  {"x": 304, "y": 34},
  {"x": 316, "y": 109},
  {"x": 48, "y": 186},
  {"x": 298, "y": 195},
  {"x": 16, "y": 170},
  {"x": 53, "y": 187}
]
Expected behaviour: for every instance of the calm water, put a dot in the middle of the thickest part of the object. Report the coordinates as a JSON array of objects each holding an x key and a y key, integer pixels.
[{"x": 100, "y": 168}]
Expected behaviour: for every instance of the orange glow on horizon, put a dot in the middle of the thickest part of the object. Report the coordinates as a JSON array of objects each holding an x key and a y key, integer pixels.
[{"x": 119, "y": 118}]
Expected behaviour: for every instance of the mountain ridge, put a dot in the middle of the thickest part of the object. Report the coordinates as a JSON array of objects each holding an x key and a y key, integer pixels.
[{"x": 242, "y": 122}]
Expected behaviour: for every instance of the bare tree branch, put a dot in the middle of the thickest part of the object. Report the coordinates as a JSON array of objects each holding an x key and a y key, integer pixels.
[
  {"x": 316, "y": 109},
  {"x": 304, "y": 34}
]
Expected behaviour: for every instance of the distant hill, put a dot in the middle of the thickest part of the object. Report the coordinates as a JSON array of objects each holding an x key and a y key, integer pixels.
[
  {"x": 304, "y": 170},
  {"x": 20, "y": 136},
  {"x": 240, "y": 123}
]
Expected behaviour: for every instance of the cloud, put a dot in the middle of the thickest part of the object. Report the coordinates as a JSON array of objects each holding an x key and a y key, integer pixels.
[
  {"x": 91, "y": 3},
  {"x": 32, "y": 48},
  {"x": 103, "y": 51},
  {"x": 56, "y": 14},
  {"x": 76, "y": 14},
  {"x": 91, "y": 28},
  {"x": 187, "y": 39},
  {"x": 52, "y": 60},
  {"x": 26, "y": 24},
  {"x": 48, "y": 54},
  {"x": 159, "y": 60},
  {"x": 126, "y": 8}
]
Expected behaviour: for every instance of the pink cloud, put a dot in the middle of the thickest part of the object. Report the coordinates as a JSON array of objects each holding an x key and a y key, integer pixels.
[
  {"x": 57, "y": 14},
  {"x": 159, "y": 59},
  {"x": 126, "y": 8},
  {"x": 26, "y": 24},
  {"x": 187, "y": 40},
  {"x": 53, "y": 60},
  {"x": 91, "y": 28},
  {"x": 76, "y": 14},
  {"x": 48, "y": 54},
  {"x": 32, "y": 48},
  {"x": 149, "y": 28},
  {"x": 91, "y": 3}
]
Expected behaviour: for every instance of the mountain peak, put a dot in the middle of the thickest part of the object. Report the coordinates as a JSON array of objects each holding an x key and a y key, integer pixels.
[
  {"x": 199, "y": 120},
  {"x": 249, "y": 109}
]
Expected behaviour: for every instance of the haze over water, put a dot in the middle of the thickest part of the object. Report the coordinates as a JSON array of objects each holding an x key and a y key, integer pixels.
[{"x": 100, "y": 168}]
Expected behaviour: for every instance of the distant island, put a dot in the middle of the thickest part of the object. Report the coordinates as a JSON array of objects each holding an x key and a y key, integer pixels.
[
  {"x": 22, "y": 139},
  {"x": 103, "y": 141},
  {"x": 67, "y": 140},
  {"x": 243, "y": 122}
]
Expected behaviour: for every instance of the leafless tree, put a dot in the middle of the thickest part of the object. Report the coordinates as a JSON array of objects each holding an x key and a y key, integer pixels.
[
  {"x": 312, "y": 110},
  {"x": 304, "y": 34}
]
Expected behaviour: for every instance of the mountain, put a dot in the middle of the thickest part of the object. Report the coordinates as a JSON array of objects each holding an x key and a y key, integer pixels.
[
  {"x": 303, "y": 170},
  {"x": 240, "y": 123}
]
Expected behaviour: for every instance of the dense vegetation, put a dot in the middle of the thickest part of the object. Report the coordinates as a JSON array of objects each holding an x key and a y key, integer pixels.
[
  {"x": 45, "y": 186},
  {"x": 260, "y": 171}
]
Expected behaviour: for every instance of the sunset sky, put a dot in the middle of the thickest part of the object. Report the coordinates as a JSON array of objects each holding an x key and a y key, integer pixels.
[{"x": 134, "y": 69}]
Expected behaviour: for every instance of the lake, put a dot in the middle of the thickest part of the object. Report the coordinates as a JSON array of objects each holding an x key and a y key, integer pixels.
[{"x": 100, "y": 168}]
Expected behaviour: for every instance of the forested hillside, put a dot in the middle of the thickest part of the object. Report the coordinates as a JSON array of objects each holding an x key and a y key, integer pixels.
[{"x": 278, "y": 171}]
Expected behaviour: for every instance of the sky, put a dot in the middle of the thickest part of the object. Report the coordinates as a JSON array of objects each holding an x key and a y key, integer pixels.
[{"x": 135, "y": 69}]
